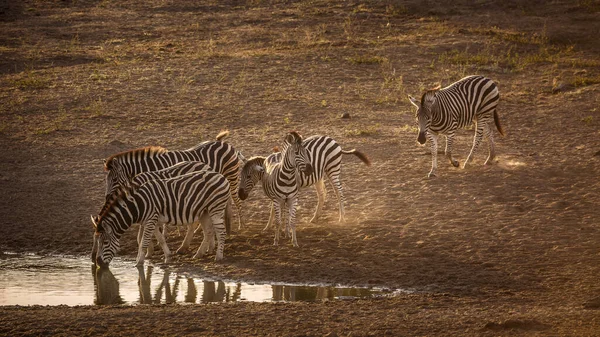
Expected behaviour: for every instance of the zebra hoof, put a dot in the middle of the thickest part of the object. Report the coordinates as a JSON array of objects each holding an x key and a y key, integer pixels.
[
  {"x": 455, "y": 163},
  {"x": 431, "y": 175},
  {"x": 181, "y": 251}
]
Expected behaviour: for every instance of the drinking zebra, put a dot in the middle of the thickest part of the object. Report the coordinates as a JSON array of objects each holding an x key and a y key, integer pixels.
[
  {"x": 182, "y": 200},
  {"x": 279, "y": 180},
  {"x": 325, "y": 155},
  {"x": 169, "y": 172},
  {"x": 443, "y": 111},
  {"x": 220, "y": 156}
]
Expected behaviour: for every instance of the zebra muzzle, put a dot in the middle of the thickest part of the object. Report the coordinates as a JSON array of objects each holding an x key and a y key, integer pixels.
[
  {"x": 242, "y": 194},
  {"x": 421, "y": 138},
  {"x": 100, "y": 263}
]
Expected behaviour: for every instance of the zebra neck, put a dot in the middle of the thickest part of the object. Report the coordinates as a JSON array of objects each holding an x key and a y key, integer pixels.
[
  {"x": 126, "y": 214},
  {"x": 288, "y": 166}
]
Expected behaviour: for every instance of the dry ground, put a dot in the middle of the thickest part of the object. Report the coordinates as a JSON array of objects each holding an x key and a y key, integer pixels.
[{"x": 509, "y": 249}]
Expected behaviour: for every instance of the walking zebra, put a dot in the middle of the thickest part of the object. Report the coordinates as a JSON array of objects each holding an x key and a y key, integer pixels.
[
  {"x": 220, "y": 156},
  {"x": 325, "y": 155},
  {"x": 182, "y": 200},
  {"x": 279, "y": 180},
  {"x": 443, "y": 111}
]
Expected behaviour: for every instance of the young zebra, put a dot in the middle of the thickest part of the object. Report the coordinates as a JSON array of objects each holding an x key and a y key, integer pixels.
[
  {"x": 325, "y": 155},
  {"x": 220, "y": 156},
  {"x": 443, "y": 111},
  {"x": 279, "y": 180},
  {"x": 187, "y": 199}
]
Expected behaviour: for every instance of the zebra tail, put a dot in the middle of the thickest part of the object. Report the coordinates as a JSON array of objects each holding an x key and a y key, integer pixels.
[
  {"x": 497, "y": 122},
  {"x": 360, "y": 156},
  {"x": 222, "y": 134}
]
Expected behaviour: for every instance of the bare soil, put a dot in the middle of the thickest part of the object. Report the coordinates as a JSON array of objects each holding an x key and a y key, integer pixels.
[{"x": 507, "y": 249}]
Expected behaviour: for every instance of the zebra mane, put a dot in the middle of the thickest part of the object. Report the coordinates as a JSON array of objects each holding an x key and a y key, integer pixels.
[
  {"x": 256, "y": 160},
  {"x": 146, "y": 151},
  {"x": 428, "y": 93},
  {"x": 295, "y": 137},
  {"x": 120, "y": 193},
  {"x": 222, "y": 135}
]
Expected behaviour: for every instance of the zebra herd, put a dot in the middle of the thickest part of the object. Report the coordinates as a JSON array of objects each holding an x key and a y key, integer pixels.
[{"x": 153, "y": 186}]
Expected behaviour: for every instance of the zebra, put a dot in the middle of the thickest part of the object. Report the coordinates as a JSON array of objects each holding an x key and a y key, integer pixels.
[
  {"x": 325, "y": 155},
  {"x": 186, "y": 199},
  {"x": 443, "y": 111},
  {"x": 178, "y": 169},
  {"x": 220, "y": 156},
  {"x": 169, "y": 172},
  {"x": 279, "y": 180}
]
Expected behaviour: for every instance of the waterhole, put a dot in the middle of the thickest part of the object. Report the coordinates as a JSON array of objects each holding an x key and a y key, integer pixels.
[{"x": 55, "y": 280}]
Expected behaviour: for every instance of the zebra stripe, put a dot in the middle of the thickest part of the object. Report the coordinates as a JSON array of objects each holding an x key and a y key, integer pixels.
[
  {"x": 183, "y": 200},
  {"x": 325, "y": 155},
  {"x": 279, "y": 180},
  {"x": 443, "y": 111},
  {"x": 220, "y": 156}
]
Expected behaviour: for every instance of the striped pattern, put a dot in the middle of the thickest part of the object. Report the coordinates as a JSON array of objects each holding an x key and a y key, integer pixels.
[
  {"x": 325, "y": 155},
  {"x": 220, "y": 156},
  {"x": 170, "y": 172},
  {"x": 279, "y": 180},
  {"x": 183, "y": 200},
  {"x": 472, "y": 99}
]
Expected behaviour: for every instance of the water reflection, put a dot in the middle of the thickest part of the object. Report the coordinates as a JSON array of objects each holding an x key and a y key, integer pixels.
[
  {"x": 169, "y": 288},
  {"x": 51, "y": 280},
  {"x": 106, "y": 287}
]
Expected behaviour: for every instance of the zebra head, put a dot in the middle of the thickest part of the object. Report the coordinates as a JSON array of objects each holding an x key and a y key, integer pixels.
[
  {"x": 293, "y": 147},
  {"x": 106, "y": 226},
  {"x": 423, "y": 114},
  {"x": 251, "y": 173},
  {"x": 107, "y": 242}
]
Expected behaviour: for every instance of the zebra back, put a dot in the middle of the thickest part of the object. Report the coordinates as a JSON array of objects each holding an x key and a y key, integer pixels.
[
  {"x": 178, "y": 169},
  {"x": 220, "y": 156}
]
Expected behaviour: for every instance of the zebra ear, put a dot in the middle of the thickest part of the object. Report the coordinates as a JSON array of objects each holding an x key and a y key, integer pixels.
[
  {"x": 414, "y": 101},
  {"x": 94, "y": 221}
]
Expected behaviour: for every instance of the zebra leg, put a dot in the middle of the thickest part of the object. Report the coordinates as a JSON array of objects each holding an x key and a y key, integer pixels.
[
  {"x": 449, "y": 141},
  {"x": 335, "y": 181},
  {"x": 149, "y": 227},
  {"x": 479, "y": 130},
  {"x": 219, "y": 231},
  {"x": 163, "y": 243},
  {"x": 320, "y": 187},
  {"x": 292, "y": 204},
  {"x": 207, "y": 233},
  {"x": 434, "y": 147},
  {"x": 189, "y": 235},
  {"x": 490, "y": 136},
  {"x": 271, "y": 217},
  {"x": 233, "y": 190},
  {"x": 278, "y": 205}
]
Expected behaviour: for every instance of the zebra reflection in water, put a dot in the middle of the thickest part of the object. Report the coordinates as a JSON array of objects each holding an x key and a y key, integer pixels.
[
  {"x": 212, "y": 291},
  {"x": 106, "y": 287}
]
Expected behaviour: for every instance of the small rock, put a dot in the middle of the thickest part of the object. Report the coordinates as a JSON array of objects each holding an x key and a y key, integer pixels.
[
  {"x": 345, "y": 115},
  {"x": 117, "y": 143},
  {"x": 561, "y": 87}
]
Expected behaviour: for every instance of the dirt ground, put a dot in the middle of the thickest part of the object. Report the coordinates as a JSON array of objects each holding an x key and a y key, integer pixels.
[{"x": 508, "y": 249}]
